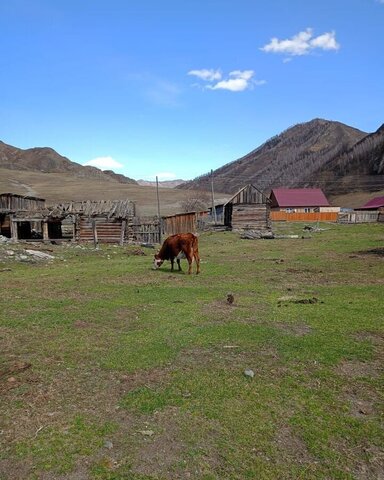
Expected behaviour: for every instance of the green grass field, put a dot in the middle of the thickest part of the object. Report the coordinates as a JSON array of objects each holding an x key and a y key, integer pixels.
[{"x": 110, "y": 370}]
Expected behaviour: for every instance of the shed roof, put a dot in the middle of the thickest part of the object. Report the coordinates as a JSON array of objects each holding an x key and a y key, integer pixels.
[
  {"x": 248, "y": 194},
  {"x": 25, "y": 197},
  {"x": 376, "y": 202},
  {"x": 108, "y": 208},
  {"x": 298, "y": 197}
]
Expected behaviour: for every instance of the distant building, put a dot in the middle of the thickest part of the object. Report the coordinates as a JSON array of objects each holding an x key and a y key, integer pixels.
[
  {"x": 372, "y": 211},
  {"x": 376, "y": 203},
  {"x": 301, "y": 204}
]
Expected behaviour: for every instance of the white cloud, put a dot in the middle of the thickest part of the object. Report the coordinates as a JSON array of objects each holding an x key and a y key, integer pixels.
[
  {"x": 208, "y": 75},
  {"x": 302, "y": 43},
  {"x": 237, "y": 80},
  {"x": 327, "y": 41},
  {"x": 104, "y": 163}
]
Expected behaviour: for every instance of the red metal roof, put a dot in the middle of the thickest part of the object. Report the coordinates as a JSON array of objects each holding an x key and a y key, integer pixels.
[
  {"x": 376, "y": 202},
  {"x": 298, "y": 197}
]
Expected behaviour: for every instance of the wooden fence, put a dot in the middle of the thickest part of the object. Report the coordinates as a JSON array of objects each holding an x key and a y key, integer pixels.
[
  {"x": 304, "y": 217},
  {"x": 359, "y": 217},
  {"x": 179, "y": 223},
  {"x": 144, "y": 230}
]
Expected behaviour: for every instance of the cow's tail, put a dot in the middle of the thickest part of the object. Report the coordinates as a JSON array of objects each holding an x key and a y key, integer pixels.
[{"x": 195, "y": 242}]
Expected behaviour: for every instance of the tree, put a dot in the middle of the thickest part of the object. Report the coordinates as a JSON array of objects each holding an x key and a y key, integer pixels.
[{"x": 193, "y": 203}]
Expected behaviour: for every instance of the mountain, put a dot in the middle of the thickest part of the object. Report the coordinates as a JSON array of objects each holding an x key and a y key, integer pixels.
[
  {"x": 319, "y": 153},
  {"x": 360, "y": 168},
  {"x": 164, "y": 183},
  {"x": 47, "y": 160}
]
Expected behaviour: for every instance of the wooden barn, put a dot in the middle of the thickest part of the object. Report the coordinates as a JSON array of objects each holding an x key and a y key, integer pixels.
[
  {"x": 28, "y": 218},
  {"x": 20, "y": 216},
  {"x": 247, "y": 210},
  {"x": 97, "y": 222}
]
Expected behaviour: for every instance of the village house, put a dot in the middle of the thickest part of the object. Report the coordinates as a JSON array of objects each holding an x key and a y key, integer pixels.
[
  {"x": 301, "y": 204},
  {"x": 371, "y": 211},
  {"x": 376, "y": 203}
]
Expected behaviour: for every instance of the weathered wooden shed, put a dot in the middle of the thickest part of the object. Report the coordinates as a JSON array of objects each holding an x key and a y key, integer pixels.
[
  {"x": 20, "y": 216},
  {"x": 99, "y": 222},
  {"x": 247, "y": 210}
]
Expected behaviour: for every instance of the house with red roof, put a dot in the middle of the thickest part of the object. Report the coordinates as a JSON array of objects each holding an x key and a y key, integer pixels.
[
  {"x": 301, "y": 204},
  {"x": 376, "y": 203}
]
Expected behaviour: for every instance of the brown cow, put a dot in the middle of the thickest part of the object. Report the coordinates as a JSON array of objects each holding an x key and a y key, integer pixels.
[{"x": 181, "y": 245}]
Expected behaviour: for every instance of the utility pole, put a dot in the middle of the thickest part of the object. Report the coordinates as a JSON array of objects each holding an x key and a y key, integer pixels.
[
  {"x": 213, "y": 200},
  {"x": 158, "y": 206}
]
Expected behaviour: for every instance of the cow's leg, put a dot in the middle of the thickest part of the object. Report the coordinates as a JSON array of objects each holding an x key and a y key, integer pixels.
[
  {"x": 172, "y": 261},
  {"x": 189, "y": 264},
  {"x": 178, "y": 264},
  {"x": 197, "y": 260}
]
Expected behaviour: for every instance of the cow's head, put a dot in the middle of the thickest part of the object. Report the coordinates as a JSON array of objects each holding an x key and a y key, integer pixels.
[{"x": 157, "y": 262}]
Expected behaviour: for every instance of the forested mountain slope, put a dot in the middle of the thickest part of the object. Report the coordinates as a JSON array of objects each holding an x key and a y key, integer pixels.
[{"x": 306, "y": 154}]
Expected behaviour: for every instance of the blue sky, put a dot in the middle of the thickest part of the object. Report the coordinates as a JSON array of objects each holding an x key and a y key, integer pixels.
[{"x": 175, "y": 89}]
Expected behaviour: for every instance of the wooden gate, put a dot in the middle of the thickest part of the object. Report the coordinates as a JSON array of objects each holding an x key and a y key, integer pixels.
[{"x": 144, "y": 230}]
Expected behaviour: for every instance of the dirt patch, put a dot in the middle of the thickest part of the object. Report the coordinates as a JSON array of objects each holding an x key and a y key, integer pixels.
[
  {"x": 220, "y": 310},
  {"x": 373, "y": 468},
  {"x": 160, "y": 453},
  {"x": 291, "y": 448},
  {"x": 11, "y": 469},
  {"x": 297, "y": 330},
  {"x": 360, "y": 408},
  {"x": 356, "y": 369},
  {"x": 14, "y": 374},
  {"x": 147, "y": 378},
  {"x": 376, "y": 338},
  {"x": 167, "y": 453}
]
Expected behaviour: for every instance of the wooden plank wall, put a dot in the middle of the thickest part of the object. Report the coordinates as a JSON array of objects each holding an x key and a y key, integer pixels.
[
  {"x": 252, "y": 217},
  {"x": 107, "y": 231},
  {"x": 180, "y": 223},
  {"x": 14, "y": 203}
]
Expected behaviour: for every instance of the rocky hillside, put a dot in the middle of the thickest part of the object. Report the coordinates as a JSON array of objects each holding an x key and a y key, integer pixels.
[
  {"x": 47, "y": 160},
  {"x": 360, "y": 168},
  {"x": 316, "y": 153}
]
